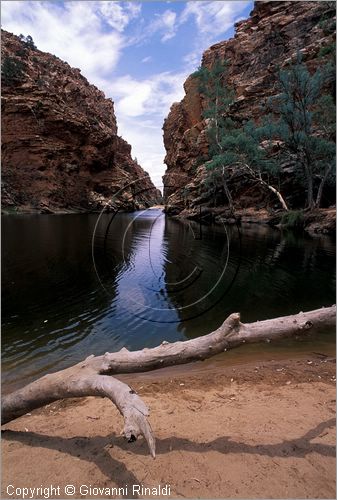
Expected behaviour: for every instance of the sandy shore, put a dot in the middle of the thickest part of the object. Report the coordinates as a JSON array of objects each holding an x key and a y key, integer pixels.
[{"x": 259, "y": 430}]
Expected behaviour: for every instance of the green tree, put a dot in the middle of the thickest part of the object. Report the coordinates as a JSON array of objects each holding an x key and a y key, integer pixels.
[
  {"x": 230, "y": 144},
  {"x": 302, "y": 119},
  {"x": 28, "y": 41},
  {"x": 244, "y": 151},
  {"x": 12, "y": 70},
  {"x": 218, "y": 97}
]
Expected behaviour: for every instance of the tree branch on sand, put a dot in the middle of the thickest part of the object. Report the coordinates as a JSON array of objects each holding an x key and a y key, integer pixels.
[{"x": 93, "y": 376}]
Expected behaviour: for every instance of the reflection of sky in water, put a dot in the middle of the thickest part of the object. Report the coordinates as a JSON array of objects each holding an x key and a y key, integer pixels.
[
  {"x": 55, "y": 311},
  {"x": 141, "y": 286}
]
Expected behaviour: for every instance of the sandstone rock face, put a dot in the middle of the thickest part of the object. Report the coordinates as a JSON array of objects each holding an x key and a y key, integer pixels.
[
  {"x": 60, "y": 148},
  {"x": 269, "y": 39}
]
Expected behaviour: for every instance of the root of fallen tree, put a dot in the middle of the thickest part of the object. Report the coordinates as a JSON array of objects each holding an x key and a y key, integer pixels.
[{"x": 93, "y": 376}]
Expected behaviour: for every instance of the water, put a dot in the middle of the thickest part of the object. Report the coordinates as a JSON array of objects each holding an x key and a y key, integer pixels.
[{"x": 76, "y": 285}]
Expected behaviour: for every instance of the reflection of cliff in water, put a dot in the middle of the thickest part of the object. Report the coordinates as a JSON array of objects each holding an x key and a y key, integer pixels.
[
  {"x": 198, "y": 267},
  {"x": 52, "y": 300},
  {"x": 277, "y": 273}
]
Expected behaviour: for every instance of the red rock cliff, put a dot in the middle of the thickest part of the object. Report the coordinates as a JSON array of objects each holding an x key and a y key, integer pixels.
[
  {"x": 270, "y": 38},
  {"x": 60, "y": 148}
]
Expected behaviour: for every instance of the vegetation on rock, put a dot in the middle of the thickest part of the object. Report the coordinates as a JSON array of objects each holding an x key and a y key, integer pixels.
[
  {"x": 303, "y": 121},
  {"x": 219, "y": 97},
  {"x": 12, "y": 70},
  {"x": 220, "y": 138},
  {"x": 28, "y": 42}
]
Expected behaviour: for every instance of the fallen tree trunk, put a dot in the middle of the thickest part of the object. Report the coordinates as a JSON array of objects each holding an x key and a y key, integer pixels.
[
  {"x": 82, "y": 380},
  {"x": 92, "y": 377}
]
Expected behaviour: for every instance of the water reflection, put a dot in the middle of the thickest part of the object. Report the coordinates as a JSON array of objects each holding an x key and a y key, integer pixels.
[
  {"x": 153, "y": 280},
  {"x": 279, "y": 274}
]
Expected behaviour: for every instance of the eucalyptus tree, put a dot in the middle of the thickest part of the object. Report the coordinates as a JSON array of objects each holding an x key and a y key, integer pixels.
[
  {"x": 218, "y": 98},
  {"x": 231, "y": 145},
  {"x": 303, "y": 119}
]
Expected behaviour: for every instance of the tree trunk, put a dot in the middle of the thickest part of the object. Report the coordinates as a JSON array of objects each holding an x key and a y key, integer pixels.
[
  {"x": 321, "y": 186},
  {"x": 310, "y": 194},
  {"x": 311, "y": 203},
  {"x": 278, "y": 194},
  {"x": 258, "y": 176},
  {"x": 92, "y": 377},
  {"x": 228, "y": 195},
  {"x": 81, "y": 380},
  {"x": 227, "y": 192}
]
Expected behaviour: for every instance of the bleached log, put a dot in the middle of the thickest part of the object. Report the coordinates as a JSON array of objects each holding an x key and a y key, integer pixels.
[
  {"x": 232, "y": 333},
  {"x": 82, "y": 380},
  {"x": 93, "y": 377}
]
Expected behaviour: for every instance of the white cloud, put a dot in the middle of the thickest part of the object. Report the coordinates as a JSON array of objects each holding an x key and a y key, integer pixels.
[
  {"x": 192, "y": 59},
  {"x": 213, "y": 17},
  {"x": 74, "y": 31},
  {"x": 131, "y": 94},
  {"x": 141, "y": 106},
  {"x": 147, "y": 144},
  {"x": 150, "y": 96},
  {"x": 168, "y": 20},
  {"x": 119, "y": 15},
  {"x": 165, "y": 24},
  {"x": 147, "y": 59}
]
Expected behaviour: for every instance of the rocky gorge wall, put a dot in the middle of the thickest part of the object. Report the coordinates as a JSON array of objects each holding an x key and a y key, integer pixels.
[
  {"x": 60, "y": 145},
  {"x": 269, "y": 39}
]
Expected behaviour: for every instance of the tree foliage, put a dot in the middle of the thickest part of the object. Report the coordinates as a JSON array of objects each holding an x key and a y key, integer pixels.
[
  {"x": 301, "y": 118},
  {"x": 12, "y": 70},
  {"x": 231, "y": 145},
  {"x": 218, "y": 98},
  {"x": 28, "y": 42},
  {"x": 304, "y": 121}
]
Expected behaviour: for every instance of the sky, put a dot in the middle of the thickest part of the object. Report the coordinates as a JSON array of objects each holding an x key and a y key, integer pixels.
[{"x": 138, "y": 53}]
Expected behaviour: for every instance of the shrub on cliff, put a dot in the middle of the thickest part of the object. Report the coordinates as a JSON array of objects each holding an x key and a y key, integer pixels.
[
  {"x": 12, "y": 70},
  {"x": 327, "y": 49},
  {"x": 28, "y": 42}
]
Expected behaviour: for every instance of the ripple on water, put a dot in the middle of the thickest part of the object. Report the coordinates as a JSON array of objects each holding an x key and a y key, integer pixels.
[{"x": 59, "y": 306}]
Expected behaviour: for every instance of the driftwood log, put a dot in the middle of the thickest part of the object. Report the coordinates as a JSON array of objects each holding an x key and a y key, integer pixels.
[{"x": 93, "y": 376}]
